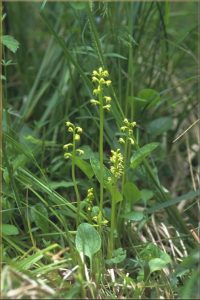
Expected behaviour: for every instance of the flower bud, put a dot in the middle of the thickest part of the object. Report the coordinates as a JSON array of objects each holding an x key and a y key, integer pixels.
[
  {"x": 79, "y": 129},
  {"x": 105, "y": 73},
  {"x": 108, "y": 106},
  {"x": 68, "y": 124},
  {"x": 102, "y": 81},
  {"x": 121, "y": 140},
  {"x": 94, "y": 102},
  {"x": 95, "y": 73},
  {"x": 108, "y": 82},
  {"x": 70, "y": 129},
  {"x": 108, "y": 99},
  {"x": 131, "y": 140},
  {"x": 67, "y": 155},
  {"x": 80, "y": 152},
  {"x": 95, "y": 79},
  {"x": 77, "y": 137}
]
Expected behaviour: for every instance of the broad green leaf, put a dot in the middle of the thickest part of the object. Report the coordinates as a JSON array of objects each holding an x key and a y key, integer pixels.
[
  {"x": 131, "y": 192},
  {"x": 155, "y": 257},
  {"x": 160, "y": 125},
  {"x": 88, "y": 240},
  {"x": 11, "y": 43},
  {"x": 95, "y": 164},
  {"x": 8, "y": 229},
  {"x": 146, "y": 195},
  {"x": 151, "y": 97},
  {"x": 135, "y": 216},
  {"x": 165, "y": 257},
  {"x": 157, "y": 264},
  {"x": 118, "y": 256},
  {"x": 141, "y": 153},
  {"x": 84, "y": 167},
  {"x": 40, "y": 216}
]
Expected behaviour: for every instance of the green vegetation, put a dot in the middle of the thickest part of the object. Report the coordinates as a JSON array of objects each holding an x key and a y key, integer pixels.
[{"x": 100, "y": 150}]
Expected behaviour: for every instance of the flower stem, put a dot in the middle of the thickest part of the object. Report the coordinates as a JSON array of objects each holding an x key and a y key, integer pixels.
[
  {"x": 74, "y": 180},
  {"x": 112, "y": 227},
  {"x": 123, "y": 176},
  {"x": 125, "y": 161},
  {"x": 101, "y": 153}
]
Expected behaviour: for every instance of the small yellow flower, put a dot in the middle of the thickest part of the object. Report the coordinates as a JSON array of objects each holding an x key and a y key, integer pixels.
[
  {"x": 121, "y": 140},
  {"x": 100, "y": 70},
  {"x": 131, "y": 140},
  {"x": 97, "y": 91},
  {"x": 108, "y": 99},
  {"x": 108, "y": 82},
  {"x": 66, "y": 147},
  {"x": 67, "y": 155},
  {"x": 105, "y": 73},
  {"x": 95, "y": 79},
  {"x": 123, "y": 128},
  {"x": 94, "y": 102},
  {"x": 102, "y": 81},
  {"x": 80, "y": 151},
  {"x": 95, "y": 73},
  {"x": 69, "y": 124},
  {"x": 108, "y": 106},
  {"x": 130, "y": 131}
]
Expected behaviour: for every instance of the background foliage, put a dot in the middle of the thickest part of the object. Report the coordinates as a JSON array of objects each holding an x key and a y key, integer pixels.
[{"x": 150, "y": 50}]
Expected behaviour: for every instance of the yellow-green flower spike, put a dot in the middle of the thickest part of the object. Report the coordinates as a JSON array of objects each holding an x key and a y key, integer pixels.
[
  {"x": 116, "y": 161},
  {"x": 128, "y": 129},
  {"x": 90, "y": 194},
  {"x": 98, "y": 77}
]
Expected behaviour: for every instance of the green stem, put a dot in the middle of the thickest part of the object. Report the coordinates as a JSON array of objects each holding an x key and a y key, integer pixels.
[
  {"x": 74, "y": 180},
  {"x": 125, "y": 162},
  {"x": 112, "y": 227},
  {"x": 123, "y": 176},
  {"x": 101, "y": 152}
]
